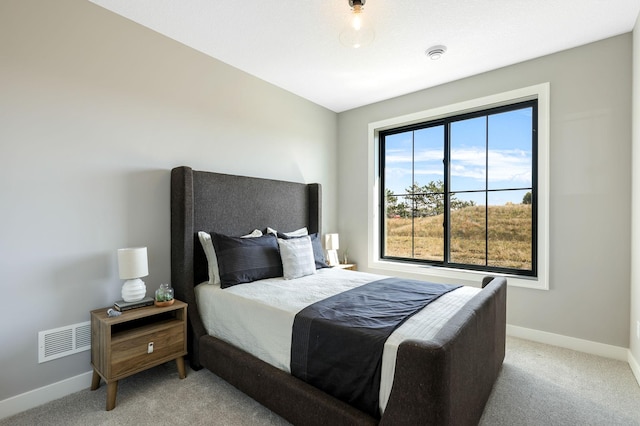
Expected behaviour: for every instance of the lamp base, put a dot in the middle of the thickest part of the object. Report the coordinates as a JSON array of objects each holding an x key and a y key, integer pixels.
[
  {"x": 133, "y": 290},
  {"x": 332, "y": 258}
]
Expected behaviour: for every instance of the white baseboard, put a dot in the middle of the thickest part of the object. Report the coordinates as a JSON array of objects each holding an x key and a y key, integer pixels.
[
  {"x": 19, "y": 403},
  {"x": 36, "y": 397},
  {"x": 580, "y": 345}
]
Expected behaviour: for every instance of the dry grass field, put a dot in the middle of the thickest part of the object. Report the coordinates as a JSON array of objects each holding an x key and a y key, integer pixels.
[{"x": 509, "y": 229}]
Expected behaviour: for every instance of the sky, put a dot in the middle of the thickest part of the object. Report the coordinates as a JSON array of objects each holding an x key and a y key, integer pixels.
[{"x": 509, "y": 157}]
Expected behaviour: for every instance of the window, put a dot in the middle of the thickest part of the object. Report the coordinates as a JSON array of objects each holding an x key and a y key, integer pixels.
[{"x": 461, "y": 191}]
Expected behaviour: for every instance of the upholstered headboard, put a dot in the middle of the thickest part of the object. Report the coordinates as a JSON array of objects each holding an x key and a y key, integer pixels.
[{"x": 232, "y": 205}]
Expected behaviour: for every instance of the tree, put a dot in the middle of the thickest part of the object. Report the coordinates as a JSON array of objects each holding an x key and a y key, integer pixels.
[
  {"x": 527, "y": 198},
  {"x": 427, "y": 200},
  {"x": 395, "y": 209}
]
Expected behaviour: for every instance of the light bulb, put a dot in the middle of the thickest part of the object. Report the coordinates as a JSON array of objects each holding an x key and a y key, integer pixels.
[
  {"x": 357, "y": 33},
  {"x": 356, "y": 22}
]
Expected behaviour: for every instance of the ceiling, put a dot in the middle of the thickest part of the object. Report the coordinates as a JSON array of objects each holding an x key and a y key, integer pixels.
[{"x": 295, "y": 44}]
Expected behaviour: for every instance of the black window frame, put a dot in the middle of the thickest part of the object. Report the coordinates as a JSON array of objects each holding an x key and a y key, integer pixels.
[{"x": 446, "y": 122}]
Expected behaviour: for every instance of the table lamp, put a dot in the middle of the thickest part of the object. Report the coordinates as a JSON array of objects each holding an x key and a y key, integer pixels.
[
  {"x": 332, "y": 244},
  {"x": 132, "y": 265}
]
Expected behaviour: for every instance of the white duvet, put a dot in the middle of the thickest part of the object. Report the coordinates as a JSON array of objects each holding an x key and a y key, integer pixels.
[{"x": 258, "y": 317}]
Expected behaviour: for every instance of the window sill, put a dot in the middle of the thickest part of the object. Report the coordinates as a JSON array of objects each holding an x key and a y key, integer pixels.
[{"x": 467, "y": 277}]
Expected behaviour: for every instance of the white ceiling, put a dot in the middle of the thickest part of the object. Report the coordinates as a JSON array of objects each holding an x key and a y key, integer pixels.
[{"x": 295, "y": 44}]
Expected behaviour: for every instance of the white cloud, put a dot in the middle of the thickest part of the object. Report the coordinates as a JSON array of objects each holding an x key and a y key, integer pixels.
[{"x": 510, "y": 166}]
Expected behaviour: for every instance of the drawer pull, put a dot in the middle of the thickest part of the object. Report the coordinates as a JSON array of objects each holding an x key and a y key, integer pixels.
[{"x": 150, "y": 348}]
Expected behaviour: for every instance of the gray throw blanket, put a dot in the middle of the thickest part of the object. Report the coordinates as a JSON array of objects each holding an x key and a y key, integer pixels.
[{"x": 337, "y": 343}]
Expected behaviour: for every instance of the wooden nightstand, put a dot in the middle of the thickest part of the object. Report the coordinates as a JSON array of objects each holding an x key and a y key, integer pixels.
[
  {"x": 138, "y": 339},
  {"x": 349, "y": 266}
]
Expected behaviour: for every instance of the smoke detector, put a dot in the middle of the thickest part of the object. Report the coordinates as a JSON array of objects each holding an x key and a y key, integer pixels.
[{"x": 434, "y": 53}]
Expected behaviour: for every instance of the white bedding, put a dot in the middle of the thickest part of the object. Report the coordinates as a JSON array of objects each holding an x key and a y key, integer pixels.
[{"x": 258, "y": 317}]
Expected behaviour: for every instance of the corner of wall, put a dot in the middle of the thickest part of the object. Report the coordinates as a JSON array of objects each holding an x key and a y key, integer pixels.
[
  {"x": 635, "y": 367},
  {"x": 634, "y": 339}
]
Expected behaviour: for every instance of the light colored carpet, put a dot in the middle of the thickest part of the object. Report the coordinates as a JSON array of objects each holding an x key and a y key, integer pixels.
[
  {"x": 538, "y": 385},
  {"x": 546, "y": 385}
]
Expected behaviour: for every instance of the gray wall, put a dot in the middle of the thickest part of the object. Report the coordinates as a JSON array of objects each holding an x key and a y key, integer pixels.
[
  {"x": 590, "y": 184},
  {"x": 635, "y": 251},
  {"x": 94, "y": 112}
]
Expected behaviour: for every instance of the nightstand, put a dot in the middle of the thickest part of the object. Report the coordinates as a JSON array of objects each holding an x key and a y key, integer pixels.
[
  {"x": 349, "y": 266},
  {"x": 138, "y": 339}
]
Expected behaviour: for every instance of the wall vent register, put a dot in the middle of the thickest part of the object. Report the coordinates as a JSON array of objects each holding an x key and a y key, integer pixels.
[{"x": 64, "y": 341}]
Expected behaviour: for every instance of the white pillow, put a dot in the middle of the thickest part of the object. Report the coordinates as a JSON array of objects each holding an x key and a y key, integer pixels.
[
  {"x": 254, "y": 234},
  {"x": 297, "y": 233},
  {"x": 210, "y": 253},
  {"x": 297, "y": 257}
]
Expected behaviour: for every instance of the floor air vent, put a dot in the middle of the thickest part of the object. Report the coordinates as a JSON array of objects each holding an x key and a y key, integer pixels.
[{"x": 63, "y": 341}]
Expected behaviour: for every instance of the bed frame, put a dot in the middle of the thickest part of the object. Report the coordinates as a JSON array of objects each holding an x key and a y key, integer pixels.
[{"x": 445, "y": 381}]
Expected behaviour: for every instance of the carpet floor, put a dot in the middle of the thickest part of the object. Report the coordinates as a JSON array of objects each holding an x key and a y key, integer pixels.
[{"x": 538, "y": 385}]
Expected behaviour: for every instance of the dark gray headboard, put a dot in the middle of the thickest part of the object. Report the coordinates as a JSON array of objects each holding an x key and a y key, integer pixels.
[{"x": 232, "y": 205}]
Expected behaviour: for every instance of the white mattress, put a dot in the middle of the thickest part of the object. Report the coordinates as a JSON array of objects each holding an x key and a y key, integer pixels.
[{"x": 258, "y": 317}]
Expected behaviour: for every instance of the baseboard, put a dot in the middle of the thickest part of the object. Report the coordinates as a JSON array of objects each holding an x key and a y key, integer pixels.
[
  {"x": 635, "y": 366},
  {"x": 580, "y": 345},
  {"x": 19, "y": 403},
  {"x": 36, "y": 397}
]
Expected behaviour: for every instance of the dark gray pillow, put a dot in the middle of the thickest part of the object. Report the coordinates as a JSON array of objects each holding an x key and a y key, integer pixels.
[{"x": 243, "y": 260}]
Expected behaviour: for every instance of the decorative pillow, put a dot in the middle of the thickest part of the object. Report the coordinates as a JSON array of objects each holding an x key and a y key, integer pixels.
[
  {"x": 297, "y": 233},
  {"x": 297, "y": 257},
  {"x": 210, "y": 253},
  {"x": 243, "y": 260},
  {"x": 255, "y": 233},
  {"x": 318, "y": 252},
  {"x": 212, "y": 260},
  {"x": 316, "y": 244}
]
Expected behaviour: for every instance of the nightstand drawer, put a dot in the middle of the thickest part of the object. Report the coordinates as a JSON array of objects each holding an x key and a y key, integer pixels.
[{"x": 131, "y": 352}]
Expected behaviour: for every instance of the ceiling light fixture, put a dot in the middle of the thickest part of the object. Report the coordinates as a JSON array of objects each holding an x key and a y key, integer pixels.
[
  {"x": 357, "y": 33},
  {"x": 435, "y": 52}
]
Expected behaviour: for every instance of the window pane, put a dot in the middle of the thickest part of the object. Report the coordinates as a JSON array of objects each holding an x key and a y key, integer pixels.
[
  {"x": 398, "y": 163},
  {"x": 510, "y": 149},
  {"x": 429, "y": 218},
  {"x": 399, "y": 228},
  {"x": 510, "y": 230},
  {"x": 489, "y": 181},
  {"x": 428, "y": 200},
  {"x": 429, "y": 155},
  {"x": 467, "y": 229},
  {"x": 468, "y": 154},
  {"x": 429, "y": 238}
]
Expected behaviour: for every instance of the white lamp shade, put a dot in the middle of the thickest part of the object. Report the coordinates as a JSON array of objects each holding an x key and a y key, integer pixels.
[
  {"x": 132, "y": 263},
  {"x": 331, "y": 242}
]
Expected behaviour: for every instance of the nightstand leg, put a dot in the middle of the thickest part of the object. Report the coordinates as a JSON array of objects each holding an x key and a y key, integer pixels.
[
  {"x": 180, "y": 364},
  {"x": 112, "y": 389},
  {"x": 95, "y": 380}
]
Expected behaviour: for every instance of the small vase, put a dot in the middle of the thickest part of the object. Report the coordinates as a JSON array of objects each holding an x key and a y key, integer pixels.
[{"x": 164, "y": 295}]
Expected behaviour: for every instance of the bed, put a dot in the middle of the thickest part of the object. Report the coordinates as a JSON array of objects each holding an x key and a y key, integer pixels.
[{"x": 445, "y": 380}]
